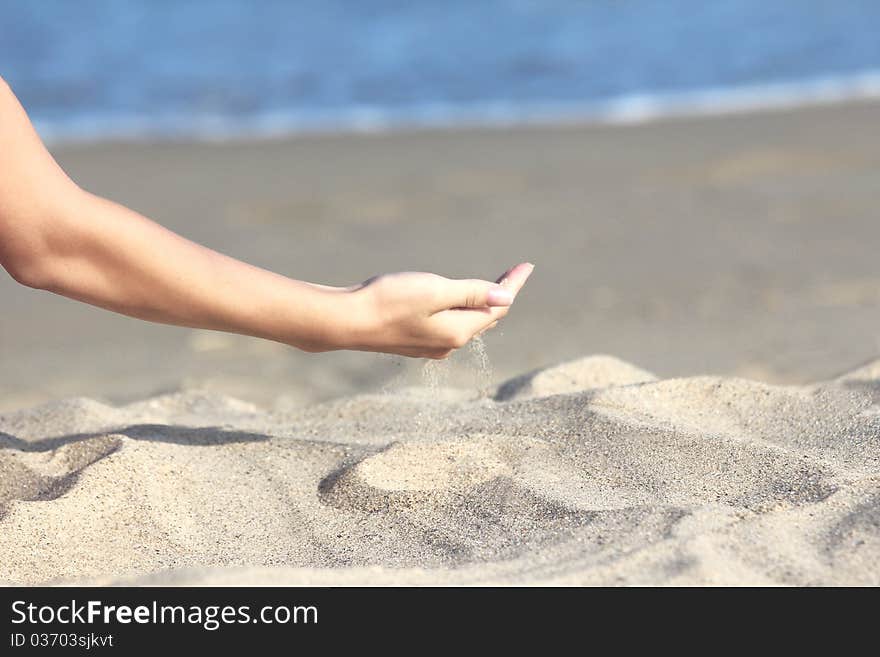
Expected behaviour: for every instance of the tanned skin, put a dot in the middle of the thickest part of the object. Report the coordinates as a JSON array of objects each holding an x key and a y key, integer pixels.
[{"x": 58, "y": 237}]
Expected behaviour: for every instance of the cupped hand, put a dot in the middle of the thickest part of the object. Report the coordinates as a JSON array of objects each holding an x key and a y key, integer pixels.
[{"x": 429, "y": 316}]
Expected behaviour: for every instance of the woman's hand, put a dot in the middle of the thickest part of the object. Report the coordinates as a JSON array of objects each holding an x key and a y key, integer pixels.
[
  {"x": 57, "y": 237},
  {"x": 428, "y": 316}
]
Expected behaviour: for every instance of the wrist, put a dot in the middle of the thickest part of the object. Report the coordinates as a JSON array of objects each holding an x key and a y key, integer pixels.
[
  {"x": 354, "y": 320},
  {"x": 332, "y": 319},
  {"x": 319, "y": 318}
]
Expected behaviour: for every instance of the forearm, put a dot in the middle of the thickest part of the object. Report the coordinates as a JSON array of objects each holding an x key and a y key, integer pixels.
[
  {"x": 104, "y": 254},
  {"x": 57, "y": 237}
]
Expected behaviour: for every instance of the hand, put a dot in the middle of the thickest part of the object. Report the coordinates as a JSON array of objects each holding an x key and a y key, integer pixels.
[{"x": 428, "y": 316}]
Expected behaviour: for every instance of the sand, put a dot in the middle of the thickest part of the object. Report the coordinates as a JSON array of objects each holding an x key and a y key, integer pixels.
[
  {"x": 740, "y": 246},
  {"x": 728, "y": 263},
  {"x": 594, "y": 472}
]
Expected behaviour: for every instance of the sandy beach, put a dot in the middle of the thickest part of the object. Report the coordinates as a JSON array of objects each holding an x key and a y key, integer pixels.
[
  {"x": 728, "y": 266},
  {"x": 589, "y": 473}
]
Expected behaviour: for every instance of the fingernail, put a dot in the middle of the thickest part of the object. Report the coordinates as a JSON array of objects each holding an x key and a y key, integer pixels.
[{"x": 498, "y": 296}]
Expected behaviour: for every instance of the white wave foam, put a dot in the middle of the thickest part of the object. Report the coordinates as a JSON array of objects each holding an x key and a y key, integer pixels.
[{"x": 629, "y": 109}]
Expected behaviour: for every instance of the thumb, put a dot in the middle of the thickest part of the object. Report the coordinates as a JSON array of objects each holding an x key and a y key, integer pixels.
[{"x": 474, "y": 293}]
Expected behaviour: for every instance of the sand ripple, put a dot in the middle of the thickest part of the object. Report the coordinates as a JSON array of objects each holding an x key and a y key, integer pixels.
[{"x": 588, "y": 472}]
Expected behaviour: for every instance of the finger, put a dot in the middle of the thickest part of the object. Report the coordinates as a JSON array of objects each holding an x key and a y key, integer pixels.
[
  {"x": 515, "y": 277},
  {"x": 503, "y": 278},
  {"x": 464, "y": 323},
  {"x": 465, "y": 320},
  {"x": 472, "y": 293}
]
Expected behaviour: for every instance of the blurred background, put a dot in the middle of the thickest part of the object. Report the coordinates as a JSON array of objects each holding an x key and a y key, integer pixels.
[
  {"x": 215, "y": 68},
  {"x": 696, "y": 182}
]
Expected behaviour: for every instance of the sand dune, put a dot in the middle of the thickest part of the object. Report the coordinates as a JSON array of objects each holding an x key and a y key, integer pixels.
[
  {"x": 590, "y": 472},
  {"x": 575, "y": 376}
]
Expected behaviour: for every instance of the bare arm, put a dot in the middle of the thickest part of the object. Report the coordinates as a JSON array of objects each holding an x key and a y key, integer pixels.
[{"x": 58, "y": 237}]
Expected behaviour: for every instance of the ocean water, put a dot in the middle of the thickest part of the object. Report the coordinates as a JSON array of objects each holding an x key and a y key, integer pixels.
[{"x": 226, "y": 68}]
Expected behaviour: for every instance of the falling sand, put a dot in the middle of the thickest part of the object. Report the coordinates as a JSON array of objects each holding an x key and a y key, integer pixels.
[{"x": 589, "y": 472}]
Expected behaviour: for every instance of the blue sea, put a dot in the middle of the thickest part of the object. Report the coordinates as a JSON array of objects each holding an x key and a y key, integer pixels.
[{"x": 218, "y": 69}]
